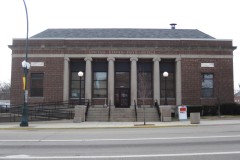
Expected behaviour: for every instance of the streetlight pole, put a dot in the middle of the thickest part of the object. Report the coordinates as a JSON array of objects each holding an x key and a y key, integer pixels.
[
  {"x": 26, "y": 67},
  {"x": 165, "y": 75},
  {"x": 80, "y": 74}
]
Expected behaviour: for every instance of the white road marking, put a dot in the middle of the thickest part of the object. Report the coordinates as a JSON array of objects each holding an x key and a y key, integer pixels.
[
  {"x": 127, "y": 139},
  {"x": 18, "y": 156},
  {"x": 120, "y": 156}
]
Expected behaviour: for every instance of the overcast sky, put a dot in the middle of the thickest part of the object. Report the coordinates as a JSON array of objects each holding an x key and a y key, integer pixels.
[{"x": 218, "y": 18}]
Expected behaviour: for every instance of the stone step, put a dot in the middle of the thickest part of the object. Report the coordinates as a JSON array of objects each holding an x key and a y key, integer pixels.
[
  {"x": 151, "y": 114},
  {"x": 97, "y": 114},
  {"x": 148, "y": 119},
  {"x": 97, "y": 119},
  {"x": 122, "y": 114},
  {"x": 123, "y": 120}
]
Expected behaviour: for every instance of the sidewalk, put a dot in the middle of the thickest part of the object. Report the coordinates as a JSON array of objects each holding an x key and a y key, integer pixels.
[{"x": 68, "y": 124}]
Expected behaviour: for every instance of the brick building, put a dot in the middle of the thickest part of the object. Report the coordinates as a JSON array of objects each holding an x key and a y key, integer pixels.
[{"x": 200, "y": 67}]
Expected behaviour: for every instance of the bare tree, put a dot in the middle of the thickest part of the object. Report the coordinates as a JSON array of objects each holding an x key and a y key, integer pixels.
[
  {"x": 143, "y": 88},
  {"x": 236, "y": 90},
  {"x": 5, "y": 91}
]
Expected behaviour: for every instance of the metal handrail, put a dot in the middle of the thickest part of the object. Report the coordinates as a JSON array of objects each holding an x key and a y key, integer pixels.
[
  {"x": 43, "y": 111},
  {"x": 109, "y": 111},
  {"x": 86, "y": 113},
  {"x": 135, "y": 106},
  {"x": 158, "y": 110}
]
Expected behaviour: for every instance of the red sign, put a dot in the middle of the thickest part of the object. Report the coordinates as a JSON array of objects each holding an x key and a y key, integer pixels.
[{"x": 183, "y": 109}]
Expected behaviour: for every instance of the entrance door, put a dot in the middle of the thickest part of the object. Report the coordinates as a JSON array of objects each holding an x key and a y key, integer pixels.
[{"x": 122, "y": 99}]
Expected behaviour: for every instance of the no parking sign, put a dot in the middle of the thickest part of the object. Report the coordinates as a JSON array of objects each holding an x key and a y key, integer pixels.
[{"x": 182, "y": 112}]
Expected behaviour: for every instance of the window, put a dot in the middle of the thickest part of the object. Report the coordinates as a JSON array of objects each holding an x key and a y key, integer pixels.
[
  {"x": 36, "y": 83},
  {"x": 144, "y": 79},
  {"x": 170, "y": 88},
  {"x": 167, "y": 65},
  {"x": 75, "y": 67},
  {"x": 144, "y": 85},
  {"x": 75, "y": 85},
  {"x": 100, "y": 68},
  {"x": 122, "y": 74},
  {"x": 207, "y": 85},
  {"x": 100, "y": 85},
  {"x": 122, "y": 80}
]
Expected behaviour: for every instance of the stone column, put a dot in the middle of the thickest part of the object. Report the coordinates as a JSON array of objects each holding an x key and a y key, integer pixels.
[
  {"x": 178, "y": 82},
  {"x": 133, "y": 80},
  {"x": 66, "y": 79},
  {"x": 156, "y": 80},
  {"x": 88, "y": 78},
  {"x": 111, "y": 80}
]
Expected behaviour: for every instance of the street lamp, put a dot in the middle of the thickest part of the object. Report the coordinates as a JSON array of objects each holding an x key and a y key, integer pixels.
[
  {"x": 165, "y": 75},
  {"x": 24, "y": 120},
  {"x": 80, "y": 74},
  {"x": 26, "y": 67}
]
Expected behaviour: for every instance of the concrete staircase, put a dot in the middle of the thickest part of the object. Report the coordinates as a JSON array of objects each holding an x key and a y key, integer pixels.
[
  {"x": 122, "y": 114},
  {"x": 97, "y": 114},
  {"x": 151, "y": 114}
]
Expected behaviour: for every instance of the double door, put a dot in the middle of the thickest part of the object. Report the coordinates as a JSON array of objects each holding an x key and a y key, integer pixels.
[{"x": 122, "y": 98}]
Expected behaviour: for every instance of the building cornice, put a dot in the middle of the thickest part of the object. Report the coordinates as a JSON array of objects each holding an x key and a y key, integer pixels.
[
  {"x": 126, "y": 39},
  {"x": 157, "y": 48},
  {"x": 123, "y": 56}
]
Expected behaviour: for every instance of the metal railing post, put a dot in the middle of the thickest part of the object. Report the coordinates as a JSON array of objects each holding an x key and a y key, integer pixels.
[
  {"x": 158, "y": 110},
  {"x": 135, "y": 106}
]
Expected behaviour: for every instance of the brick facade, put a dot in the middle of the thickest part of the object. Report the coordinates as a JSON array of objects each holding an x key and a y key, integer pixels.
[
  {"x": 53, "y": 80},
  {"x": 191, "y": 81},
  {"x": 191, "y": 52}
]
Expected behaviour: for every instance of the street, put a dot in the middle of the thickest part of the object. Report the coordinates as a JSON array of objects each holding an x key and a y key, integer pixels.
[{"x": 217, "y": 142}]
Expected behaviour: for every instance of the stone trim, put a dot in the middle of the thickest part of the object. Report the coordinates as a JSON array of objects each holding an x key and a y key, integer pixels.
[
  {"x": 133, "y": 80},
  {"x": 156, "y": 79},
  {"x": 88, "y": 59},
  {"x": 110, "y": 59},
  {"x": 88, "y": 78},
  {"x": 66, "y": 79},
  {"x": 178, "y": 81},
  {"x": 156, "y": 59},
  {"x": 134, "y": 59},
  {"x": 111, "y": 80},
  {"x": 120, "y": 56}
]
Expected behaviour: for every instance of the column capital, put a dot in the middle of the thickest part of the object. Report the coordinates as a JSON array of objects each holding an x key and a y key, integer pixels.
[
  {"x": 88, "y": 59},
  {"x": 134, "y": 59},
  {"x": 110, "y": 59},
  {"x": 67, "y": 59},
  {"x": 157, "y": 59},
  {"x": 177, "y": 59}
]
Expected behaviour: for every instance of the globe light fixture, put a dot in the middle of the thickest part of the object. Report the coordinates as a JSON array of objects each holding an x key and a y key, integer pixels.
[
  {"x": 80, "y": 74},
  {"x": 165, "y": 75}
]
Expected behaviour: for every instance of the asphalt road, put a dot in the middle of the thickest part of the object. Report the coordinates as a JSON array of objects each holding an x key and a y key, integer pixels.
[{"x": 219, "y": 142}]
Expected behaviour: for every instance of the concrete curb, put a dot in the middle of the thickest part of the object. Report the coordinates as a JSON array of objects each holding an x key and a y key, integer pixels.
[
  {"x": 45, "y": 128},
  {"x": 57, "y": 125}
]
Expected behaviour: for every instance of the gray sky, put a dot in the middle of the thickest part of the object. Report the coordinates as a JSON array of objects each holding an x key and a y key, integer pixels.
[{"x": 218, "y": 18}]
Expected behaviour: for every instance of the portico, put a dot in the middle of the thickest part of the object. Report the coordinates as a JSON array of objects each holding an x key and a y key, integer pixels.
[{"x": 122, "y": 82}]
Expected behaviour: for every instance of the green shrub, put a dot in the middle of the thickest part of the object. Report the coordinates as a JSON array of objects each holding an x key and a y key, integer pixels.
[
  {"x": 191, "y": 109},
  {"x": 225, "y": 109},
  {"x": 230, "y": 109}
]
